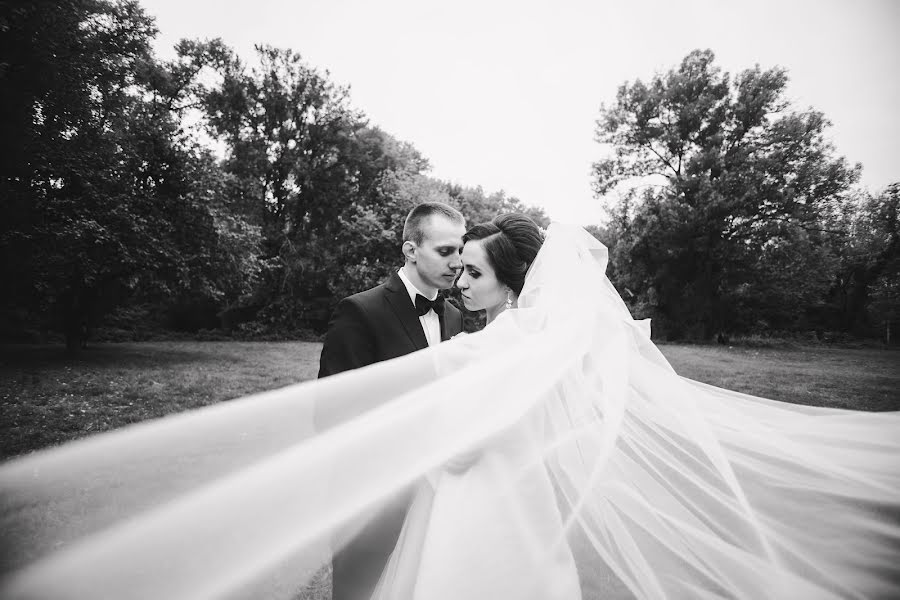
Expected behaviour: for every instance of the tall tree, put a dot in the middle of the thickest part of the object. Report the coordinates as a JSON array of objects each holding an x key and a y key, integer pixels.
[
  {"x": 479, "y": 207},
  {"x": 68, "y": 72},
  {"x": 324, "y": 186},
  {"x": 102, "y": 194},
  {"x": 735, "y": 181},
  {"x": 865, "y": 288},
  {"x": 288, "y": 131}
]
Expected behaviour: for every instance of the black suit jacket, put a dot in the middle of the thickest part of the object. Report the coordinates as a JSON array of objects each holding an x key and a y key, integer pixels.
[
  {"x": 369, "y": 327},
  {"x": 378, "y": 324}
]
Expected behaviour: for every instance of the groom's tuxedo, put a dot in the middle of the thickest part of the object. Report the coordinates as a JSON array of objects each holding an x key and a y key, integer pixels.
[{"x": 375, "y": 325}]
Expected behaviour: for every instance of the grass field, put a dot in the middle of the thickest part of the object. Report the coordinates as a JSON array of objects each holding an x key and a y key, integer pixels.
[
  {"x": 859, "y": 379},
  {"x": 47, "y": 398}
]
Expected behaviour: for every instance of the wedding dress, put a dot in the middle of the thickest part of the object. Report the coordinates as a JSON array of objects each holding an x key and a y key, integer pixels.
[
  {"x": 491, "y": 529},
  {"x": 593, "y": 450}
]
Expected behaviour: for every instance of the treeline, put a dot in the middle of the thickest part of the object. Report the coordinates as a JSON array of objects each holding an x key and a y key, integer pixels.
[
  {"x": 735, "y": 215},
  {"x": 117, "y": 208},
  {"x": 205, "y": 193}
]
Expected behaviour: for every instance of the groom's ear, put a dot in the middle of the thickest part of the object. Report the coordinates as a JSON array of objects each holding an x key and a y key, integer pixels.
[{"x": 409, "y": 251}]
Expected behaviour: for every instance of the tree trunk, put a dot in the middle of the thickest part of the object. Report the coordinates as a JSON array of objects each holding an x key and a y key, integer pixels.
[
  {"x": 72, "y": 327},
  {"x": 857, "y": 300},
  {"x": 73, "y": 343},
  {"x": 712, "y": 322}
]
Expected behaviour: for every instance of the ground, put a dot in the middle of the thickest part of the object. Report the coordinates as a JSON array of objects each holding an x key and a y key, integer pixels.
[{"x": 47, "y": 398}]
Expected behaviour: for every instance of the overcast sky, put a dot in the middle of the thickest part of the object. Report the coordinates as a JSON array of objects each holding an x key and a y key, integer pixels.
[{"x": 504, "y": 94}]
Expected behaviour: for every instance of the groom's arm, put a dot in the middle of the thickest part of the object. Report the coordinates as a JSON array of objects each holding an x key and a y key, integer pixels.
[{"x": 349, "y": 343}]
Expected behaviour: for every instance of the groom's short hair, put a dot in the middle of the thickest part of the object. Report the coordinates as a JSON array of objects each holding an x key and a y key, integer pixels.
[{"x": 414, "y": 228}]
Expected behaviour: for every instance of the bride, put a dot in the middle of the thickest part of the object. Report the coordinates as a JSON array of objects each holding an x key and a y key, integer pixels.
[{"x": 557, "y": 436}]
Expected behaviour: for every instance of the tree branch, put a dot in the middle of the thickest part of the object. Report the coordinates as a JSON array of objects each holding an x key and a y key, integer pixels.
[{"x": 666, "y": 162}]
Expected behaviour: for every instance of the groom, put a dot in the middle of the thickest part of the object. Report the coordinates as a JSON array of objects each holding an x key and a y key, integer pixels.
[{"x": 402, "y": 315}]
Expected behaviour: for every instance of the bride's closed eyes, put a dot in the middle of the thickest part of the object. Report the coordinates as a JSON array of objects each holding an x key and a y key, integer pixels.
[{"x": 478, "y": 283}]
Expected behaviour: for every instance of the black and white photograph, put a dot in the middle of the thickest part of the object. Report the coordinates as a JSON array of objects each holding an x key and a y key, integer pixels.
[{"x": 398, "y": 300}]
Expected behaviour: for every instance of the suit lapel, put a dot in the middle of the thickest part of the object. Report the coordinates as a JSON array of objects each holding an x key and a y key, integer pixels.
[{"x": 398, "y": 298}]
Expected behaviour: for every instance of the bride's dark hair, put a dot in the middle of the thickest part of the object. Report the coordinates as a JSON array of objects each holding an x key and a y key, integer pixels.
[{"x": 511, "y": 242}]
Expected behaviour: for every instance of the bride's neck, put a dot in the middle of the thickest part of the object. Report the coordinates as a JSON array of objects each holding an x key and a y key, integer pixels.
[{"x": 493, "y": 313}]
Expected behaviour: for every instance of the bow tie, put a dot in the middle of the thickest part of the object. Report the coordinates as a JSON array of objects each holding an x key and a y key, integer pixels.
[{"x": 423, "y": 305}]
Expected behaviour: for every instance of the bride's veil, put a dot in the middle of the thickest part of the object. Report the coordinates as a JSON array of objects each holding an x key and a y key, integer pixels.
[{"x": 679, "y": 489}]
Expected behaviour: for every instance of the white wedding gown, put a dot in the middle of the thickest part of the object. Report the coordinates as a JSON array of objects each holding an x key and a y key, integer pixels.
[
  {"x": 592, "y": 449},
  {"x": 489, "y": 531}
]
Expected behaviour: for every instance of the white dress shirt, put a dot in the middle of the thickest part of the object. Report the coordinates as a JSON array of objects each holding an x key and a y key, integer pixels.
[{"x": 431, "y": 325}]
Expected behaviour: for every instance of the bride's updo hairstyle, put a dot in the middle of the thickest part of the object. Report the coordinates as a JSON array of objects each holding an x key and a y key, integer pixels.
[{"x": 511, "y": 243}]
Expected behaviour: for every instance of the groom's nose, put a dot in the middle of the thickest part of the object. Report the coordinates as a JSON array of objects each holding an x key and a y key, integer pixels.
[{"x": 456, "y": 262}]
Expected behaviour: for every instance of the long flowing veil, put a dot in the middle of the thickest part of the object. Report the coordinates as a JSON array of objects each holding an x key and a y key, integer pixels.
[{"x": 679, "y": 489}]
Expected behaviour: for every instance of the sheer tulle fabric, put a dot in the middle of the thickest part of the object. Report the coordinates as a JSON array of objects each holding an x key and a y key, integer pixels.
[{"x": 679, "y": 489}]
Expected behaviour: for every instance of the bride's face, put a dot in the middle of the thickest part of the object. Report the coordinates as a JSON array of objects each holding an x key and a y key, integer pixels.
[{"x": 478, "y": 283}]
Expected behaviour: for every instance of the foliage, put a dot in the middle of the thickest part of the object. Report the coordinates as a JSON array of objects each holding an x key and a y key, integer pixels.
[
  {"x": 70, "y": 203},
  {"x": 479, "y": 208},
  {"x": 253, "y": 197},
  {"x": 217, "y": 193},
  {"x": 865, "y": 295},
  {"x": 721, "y": 226},
  {"x": 108, "y": 196},
  {"x": 329, "y": 191}
]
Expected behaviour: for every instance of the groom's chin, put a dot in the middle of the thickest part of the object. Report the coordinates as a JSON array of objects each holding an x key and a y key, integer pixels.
[{"x": 447, "y": 282}]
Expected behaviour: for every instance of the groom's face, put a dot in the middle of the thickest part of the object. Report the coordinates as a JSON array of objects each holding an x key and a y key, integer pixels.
[{"x": 436, "y": 259}]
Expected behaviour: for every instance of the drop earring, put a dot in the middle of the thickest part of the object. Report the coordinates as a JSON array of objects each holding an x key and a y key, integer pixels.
[{"x": 509, "y": 299}]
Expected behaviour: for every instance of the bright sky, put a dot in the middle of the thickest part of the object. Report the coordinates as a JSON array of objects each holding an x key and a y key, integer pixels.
[{"x": 504, "y": 93}]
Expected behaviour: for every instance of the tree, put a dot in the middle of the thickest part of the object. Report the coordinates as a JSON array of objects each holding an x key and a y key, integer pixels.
[
  {"x": 327, "y": 190},
  {"x": 290, "y": 134},
  {"x": 479, "y": 208},
  {"x": 865, "y": 288},
  {"x": 105, "y": 197},
  {"x": 68, "y": 78},
  {"x": 733, "y": 182},
  {"x": 884, "y": 309}
]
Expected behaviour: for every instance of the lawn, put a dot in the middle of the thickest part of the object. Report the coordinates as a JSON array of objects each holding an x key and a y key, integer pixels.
[
  {"x": 854, "y": 378},
  {"x": 47, "y": 398}
]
